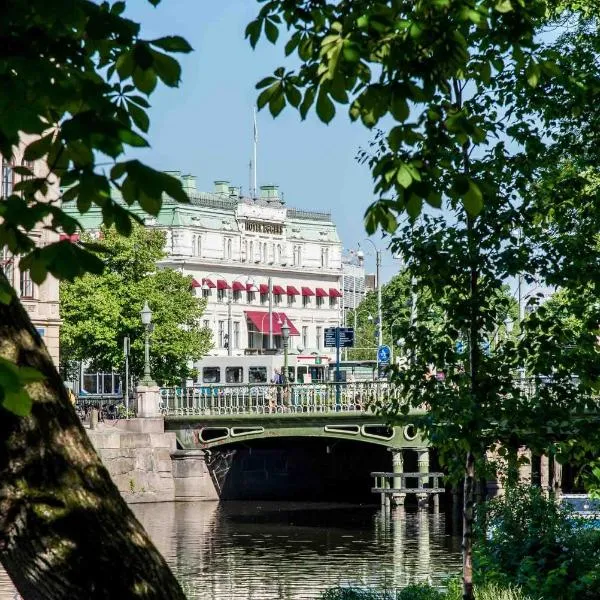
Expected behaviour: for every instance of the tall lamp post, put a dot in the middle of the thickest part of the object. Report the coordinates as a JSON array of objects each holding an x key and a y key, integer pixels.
[
  {"x": 146, "y": 315},
  {"x": 285, "y": 334}
]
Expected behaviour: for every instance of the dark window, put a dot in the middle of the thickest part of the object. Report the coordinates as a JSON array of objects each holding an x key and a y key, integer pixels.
[
  {"x": 211, "y": 375},
  {"x": 26, "y": 285},
  {"x": 257, "y": 374},
  {"x": 234, "y": 374},
  {"x": 8, "y": 178}
]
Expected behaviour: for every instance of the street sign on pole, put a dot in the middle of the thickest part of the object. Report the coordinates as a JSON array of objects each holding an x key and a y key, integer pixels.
[
  {"x": 344, "y": 334},
  {"x": 384, "y": 354}
]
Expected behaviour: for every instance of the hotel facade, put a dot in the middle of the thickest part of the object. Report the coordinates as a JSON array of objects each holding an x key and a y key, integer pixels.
[{"x": 260, "y": 265}]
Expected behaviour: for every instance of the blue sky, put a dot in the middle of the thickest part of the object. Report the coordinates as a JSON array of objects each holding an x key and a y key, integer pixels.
[{"x": 204, "y": 127}]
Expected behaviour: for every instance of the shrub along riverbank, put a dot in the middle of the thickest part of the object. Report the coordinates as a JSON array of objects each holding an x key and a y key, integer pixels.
[{"x": 528, "y": 547}]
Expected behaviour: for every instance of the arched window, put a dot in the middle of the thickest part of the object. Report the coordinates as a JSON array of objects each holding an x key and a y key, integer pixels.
[{"x": 8, "y": 179}]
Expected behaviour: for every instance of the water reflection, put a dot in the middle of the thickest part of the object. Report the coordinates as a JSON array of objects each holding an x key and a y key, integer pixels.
[{"x": 289, "y": 551}]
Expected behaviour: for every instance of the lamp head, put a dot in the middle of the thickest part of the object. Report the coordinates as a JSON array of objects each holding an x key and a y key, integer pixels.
[
  {"x": 146, "y": 314},
  {"x": 285, "y": 331}
]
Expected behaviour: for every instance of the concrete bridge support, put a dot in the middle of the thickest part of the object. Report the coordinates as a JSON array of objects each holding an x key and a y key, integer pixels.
[
  {"x": 423, "y": 467},
  {"x": 398, "y": 467},
  {"x": 191, "y": 476}
]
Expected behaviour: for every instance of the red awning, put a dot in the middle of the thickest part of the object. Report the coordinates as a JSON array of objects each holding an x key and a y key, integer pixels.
[
  {"x": 71, "y": 238},
  {"x": 209, "y": 283},
  {"x": 292, "y": 291},
  {"x": 307, "y": 292},
  {"x": 263, "y": 288},
  {"x": 222, "y": 284},
  {"x": 195, "y": 283},
  {"x": 260, "y": 319},
  {"x": 335, "y": 293},
  {"x": 321, "y": 293},
  {"x": 277, "y": 289},
  {"x": 237, "y": 286},
  {"x": 250, "y": 287}
]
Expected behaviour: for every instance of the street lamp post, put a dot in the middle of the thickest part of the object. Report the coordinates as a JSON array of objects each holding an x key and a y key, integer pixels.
[
  {"x": 146, "y": 315},
  {"x": 285, "y": 334}
]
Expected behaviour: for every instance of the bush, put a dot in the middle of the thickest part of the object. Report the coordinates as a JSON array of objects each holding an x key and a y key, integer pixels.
[{"x": 531, "y": 542}]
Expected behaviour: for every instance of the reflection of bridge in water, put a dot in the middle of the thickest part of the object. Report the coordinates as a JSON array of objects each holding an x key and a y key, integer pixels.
[
  {"x": 292, "y": 441},
  {"x": 297, "y": 550}
]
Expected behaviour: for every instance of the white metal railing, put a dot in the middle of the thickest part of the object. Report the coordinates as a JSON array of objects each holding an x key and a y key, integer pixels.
[{"x": 272, "y": 399}]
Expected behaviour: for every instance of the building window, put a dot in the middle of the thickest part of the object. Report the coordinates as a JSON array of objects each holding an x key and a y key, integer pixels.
[
  {"x": 319, "y": 302},
  {"x": 244, "y": 250},
  {"x": 7, "y": 265},
  {"x": 325, "y": 258},
  {"x": 250, "y": 297},
  {"x": 206, "y": 324},
  {"x": 221, "y": 334},
  {"x": 291, "y": 299},
  {"x": 319, "y": 337},
  {"x": 264, "y": 298},
  {"x": 279, "y": 254},
  {"x": 277, "y": 299},
  {"x": 332, "y": 302},
  {"x": 227, "y": 248},
  {"x": 8, "y": 178},
  {"x": 265, "y": 257},
  {"x": 206, "y": 293},
  {"x": 199, "y": 246},
  {"x": 298, "y": 256},
  {"x": 220, "y": 295},
  {"x": 252, "y": 336},
  {"x": 305, "y": 301},
  {"x": 237, "y": 295},
  {"x": 305, "y": 336},
  {"x": 26, "y": 285},
  {"x": 236, "y": 335}
]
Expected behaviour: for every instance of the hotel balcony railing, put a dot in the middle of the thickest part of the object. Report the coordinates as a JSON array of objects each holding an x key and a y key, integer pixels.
[{"x": 272, "y": 399}]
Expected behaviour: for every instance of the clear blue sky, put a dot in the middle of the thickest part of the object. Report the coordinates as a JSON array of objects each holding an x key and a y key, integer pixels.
[{"x": 204, "y": 127}]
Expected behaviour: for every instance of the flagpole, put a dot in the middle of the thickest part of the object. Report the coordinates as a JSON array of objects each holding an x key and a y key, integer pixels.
[{"x": 254, "y": 162}]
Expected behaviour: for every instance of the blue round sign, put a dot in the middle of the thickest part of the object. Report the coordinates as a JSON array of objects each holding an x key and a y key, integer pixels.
[{"x": 384, "y": 354}]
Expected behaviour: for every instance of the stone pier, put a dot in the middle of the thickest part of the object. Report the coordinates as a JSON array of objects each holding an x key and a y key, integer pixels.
[{"x": 137, "y": 454}]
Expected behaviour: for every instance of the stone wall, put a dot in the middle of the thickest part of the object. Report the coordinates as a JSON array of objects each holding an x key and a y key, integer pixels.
[{"x": 137, "y": 454}]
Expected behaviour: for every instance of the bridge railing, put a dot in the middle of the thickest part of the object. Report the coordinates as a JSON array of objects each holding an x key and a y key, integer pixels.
[{"x": 273, "y": 399}]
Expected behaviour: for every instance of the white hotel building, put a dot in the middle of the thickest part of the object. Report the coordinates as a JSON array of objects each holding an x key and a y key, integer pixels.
[{"x": 234, "y": 247}]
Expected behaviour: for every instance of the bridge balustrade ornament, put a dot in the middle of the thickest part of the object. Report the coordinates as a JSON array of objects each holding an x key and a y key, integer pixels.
[{"x": 271, "y": 399}]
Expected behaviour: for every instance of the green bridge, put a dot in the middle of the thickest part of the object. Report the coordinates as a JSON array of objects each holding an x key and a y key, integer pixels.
[{"x": 269, "y": 429}]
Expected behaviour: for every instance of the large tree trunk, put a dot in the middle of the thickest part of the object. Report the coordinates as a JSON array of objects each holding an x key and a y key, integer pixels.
[{"x": 65, "y": 531}]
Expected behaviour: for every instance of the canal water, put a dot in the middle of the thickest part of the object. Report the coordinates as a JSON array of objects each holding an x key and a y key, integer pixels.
[{"x": 293, "y": 551}]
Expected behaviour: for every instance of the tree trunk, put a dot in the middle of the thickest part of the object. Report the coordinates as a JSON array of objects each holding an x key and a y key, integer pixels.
[
  {"x": 65, "y": 531},
  {"x": 468, "y": 516}
]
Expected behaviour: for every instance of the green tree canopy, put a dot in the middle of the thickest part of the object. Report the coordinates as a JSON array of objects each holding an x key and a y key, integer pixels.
[
  {"x": 98, "y": 311},
  {"x": 76, "y": 76}
]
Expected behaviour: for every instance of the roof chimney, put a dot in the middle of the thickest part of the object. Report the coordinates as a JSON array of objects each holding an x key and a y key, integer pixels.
[
  {"x": 189, "y": 183},
  {"x": 270, "y": 193},
  {"x": 222, "y": 187}
]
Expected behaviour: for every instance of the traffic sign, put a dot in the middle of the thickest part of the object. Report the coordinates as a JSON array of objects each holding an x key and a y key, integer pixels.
[
  {"x": 345, "y": 335},
  {"x": 384, "y": 354}
]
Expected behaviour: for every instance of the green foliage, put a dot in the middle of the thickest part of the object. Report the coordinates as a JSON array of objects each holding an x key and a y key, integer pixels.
[
  {"x": 75, "y": 79},
  {"x": 401, "y": 64},
  {"x": 486, "y": 591},
  {"x": 98, "y": 311},
  {"x": 538, "y": 545},
  {"x": 13, "y": 386}
]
